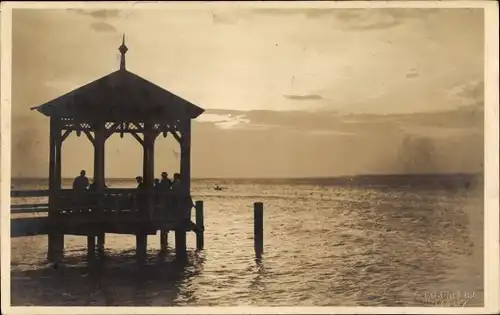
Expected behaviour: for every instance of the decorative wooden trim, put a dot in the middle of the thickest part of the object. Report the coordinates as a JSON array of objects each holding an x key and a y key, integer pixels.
[
  {"x": 136, "y": 136},
  {"x": 65, "y": 135},
  {"x": 176, "y": 136},
  {"x": 90, "y": 137},
  {"x": 124, "y": 127},
  {"x": 114, "y": 127}
]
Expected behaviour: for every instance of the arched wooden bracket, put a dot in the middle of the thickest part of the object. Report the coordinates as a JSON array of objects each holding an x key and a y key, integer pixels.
[
  {"x": 176, "y": 135},
  {"x": 156, "y": 134},
  {"x": 136, "y": 136},
  {"x": 90, "y": 137},
  {"x": 66, "y": 133}
]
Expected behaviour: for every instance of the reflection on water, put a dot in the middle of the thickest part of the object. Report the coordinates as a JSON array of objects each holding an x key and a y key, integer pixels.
[
  {"x": 322, "y": 246},
  {"x": 118, "y": 280}
]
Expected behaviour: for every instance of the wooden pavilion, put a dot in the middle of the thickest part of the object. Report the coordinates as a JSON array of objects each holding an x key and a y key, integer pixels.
[{"x": 120, "y": 102}]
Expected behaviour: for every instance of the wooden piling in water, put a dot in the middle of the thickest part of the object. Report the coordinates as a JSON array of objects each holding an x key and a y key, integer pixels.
[
  {"x": 141, "y": 241},
  {"x": 100, "y": 244},
  {"x": 55, "y": 250},
  {"x": 50, "y": 247},
  {"x": 258, "y": 223},
  {"x": 180, "y": 244},
  {"x": 90, "y": 247},
  {"x": 163, "y": 240},
  {"x": 200, "y": 233}
]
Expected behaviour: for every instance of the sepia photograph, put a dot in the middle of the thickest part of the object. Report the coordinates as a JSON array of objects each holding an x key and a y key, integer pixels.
[{"x": 244, "y": 154}]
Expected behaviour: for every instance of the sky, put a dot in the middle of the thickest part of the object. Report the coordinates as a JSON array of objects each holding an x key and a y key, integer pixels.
[{"x": 287, "y": 92}]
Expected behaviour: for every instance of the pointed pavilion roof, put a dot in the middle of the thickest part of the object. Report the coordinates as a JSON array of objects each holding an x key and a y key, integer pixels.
[{"x": 120, "y": 96}]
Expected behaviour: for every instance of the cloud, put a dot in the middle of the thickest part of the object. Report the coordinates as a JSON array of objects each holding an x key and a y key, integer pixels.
[
  {"x": 469, "y": 93},
  {"x": 310, "y": 13},
  {"x": 101, "y": 26},
  {"x": 307, "y": 97},
  {"x": 439, "y": 125},
  {"x": 412, "y": 73},
  {"x": 227, "y": 121},
  {"x": 356, "y": 19},
  {"x": 99, "y": 14},
  {"x": 377, "y": 19},
  {"x": 101, "y": 17},
  {"x": 225, "y": 18},
  {"x": 417, "y": 153}
]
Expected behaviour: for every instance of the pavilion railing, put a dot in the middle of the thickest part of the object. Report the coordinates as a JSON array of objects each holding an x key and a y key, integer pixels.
[{"x": 132, "y": 204}]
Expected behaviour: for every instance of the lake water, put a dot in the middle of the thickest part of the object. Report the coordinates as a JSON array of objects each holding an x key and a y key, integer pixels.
[{"x": 325, "y": 245}]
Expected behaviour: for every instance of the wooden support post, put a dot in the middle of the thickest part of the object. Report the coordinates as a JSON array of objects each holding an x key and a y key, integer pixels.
[
  {"x": 258, "y": 224},
  {"x": 100, "y": 244},
  {"x": 90, "y": 248},
  {"x": 163, "y": 240},
  {"x": 99, "y": 155},
  {"x": 55, "y": 246},
  {"x": 200, "y": 233},
  {"x": 180, "y": 244},
  {"x": 141, "y": 241},
  {"x": 52, "y": 182},
  {"x": 148, "y": 164},
  {"x": 185, "y": 168}
]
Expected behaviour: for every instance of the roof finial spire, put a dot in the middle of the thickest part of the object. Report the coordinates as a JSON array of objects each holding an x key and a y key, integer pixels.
[{"x": 123, "y": 50}]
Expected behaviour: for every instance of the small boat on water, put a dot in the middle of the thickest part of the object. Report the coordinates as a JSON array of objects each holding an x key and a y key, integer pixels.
[{"x": 218, "y": 188}]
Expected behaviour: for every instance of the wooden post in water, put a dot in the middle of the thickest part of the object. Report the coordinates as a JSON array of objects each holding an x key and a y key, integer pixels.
[
  {"x": 258, "y": 224},
  {"x": 57, "y": 242},
  {"x": 55, "y": 248},
  {"x": 90, "y": 247},
  {"x": 100, "y": 244},
  {"x": 180, "y": 243},
  {"x": 163, "y": 240},
  {"x": 200, "y": 233},
  {"x": 141, "y": 241}
]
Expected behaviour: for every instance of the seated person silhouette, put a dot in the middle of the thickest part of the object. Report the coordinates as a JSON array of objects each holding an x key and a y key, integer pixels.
[
  {"x": 165, "y": 181},
  {"x": 176, "y": 198},
  {"x": 141, "y": 197},
  {"x": 81, "y": 182},
  {"x": 176, "y": 183},
  {"x": 140, "y": 182}
]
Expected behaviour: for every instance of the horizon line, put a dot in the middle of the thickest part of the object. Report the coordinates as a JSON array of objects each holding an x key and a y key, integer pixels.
[{"x": 293, "y": 177}]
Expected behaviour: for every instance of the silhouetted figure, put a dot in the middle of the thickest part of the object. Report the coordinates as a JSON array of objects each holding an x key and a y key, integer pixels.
[
  {"x": 157, "y": 188},
  {"x": 81, "y": 182},
  {"x": 140, "y": 182},
  {"x": 175, "y": 192},
  {"x": 141, "y": 195},
  {"x": 176, "y": 183},
  {"x": 165, "y": 183}
]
